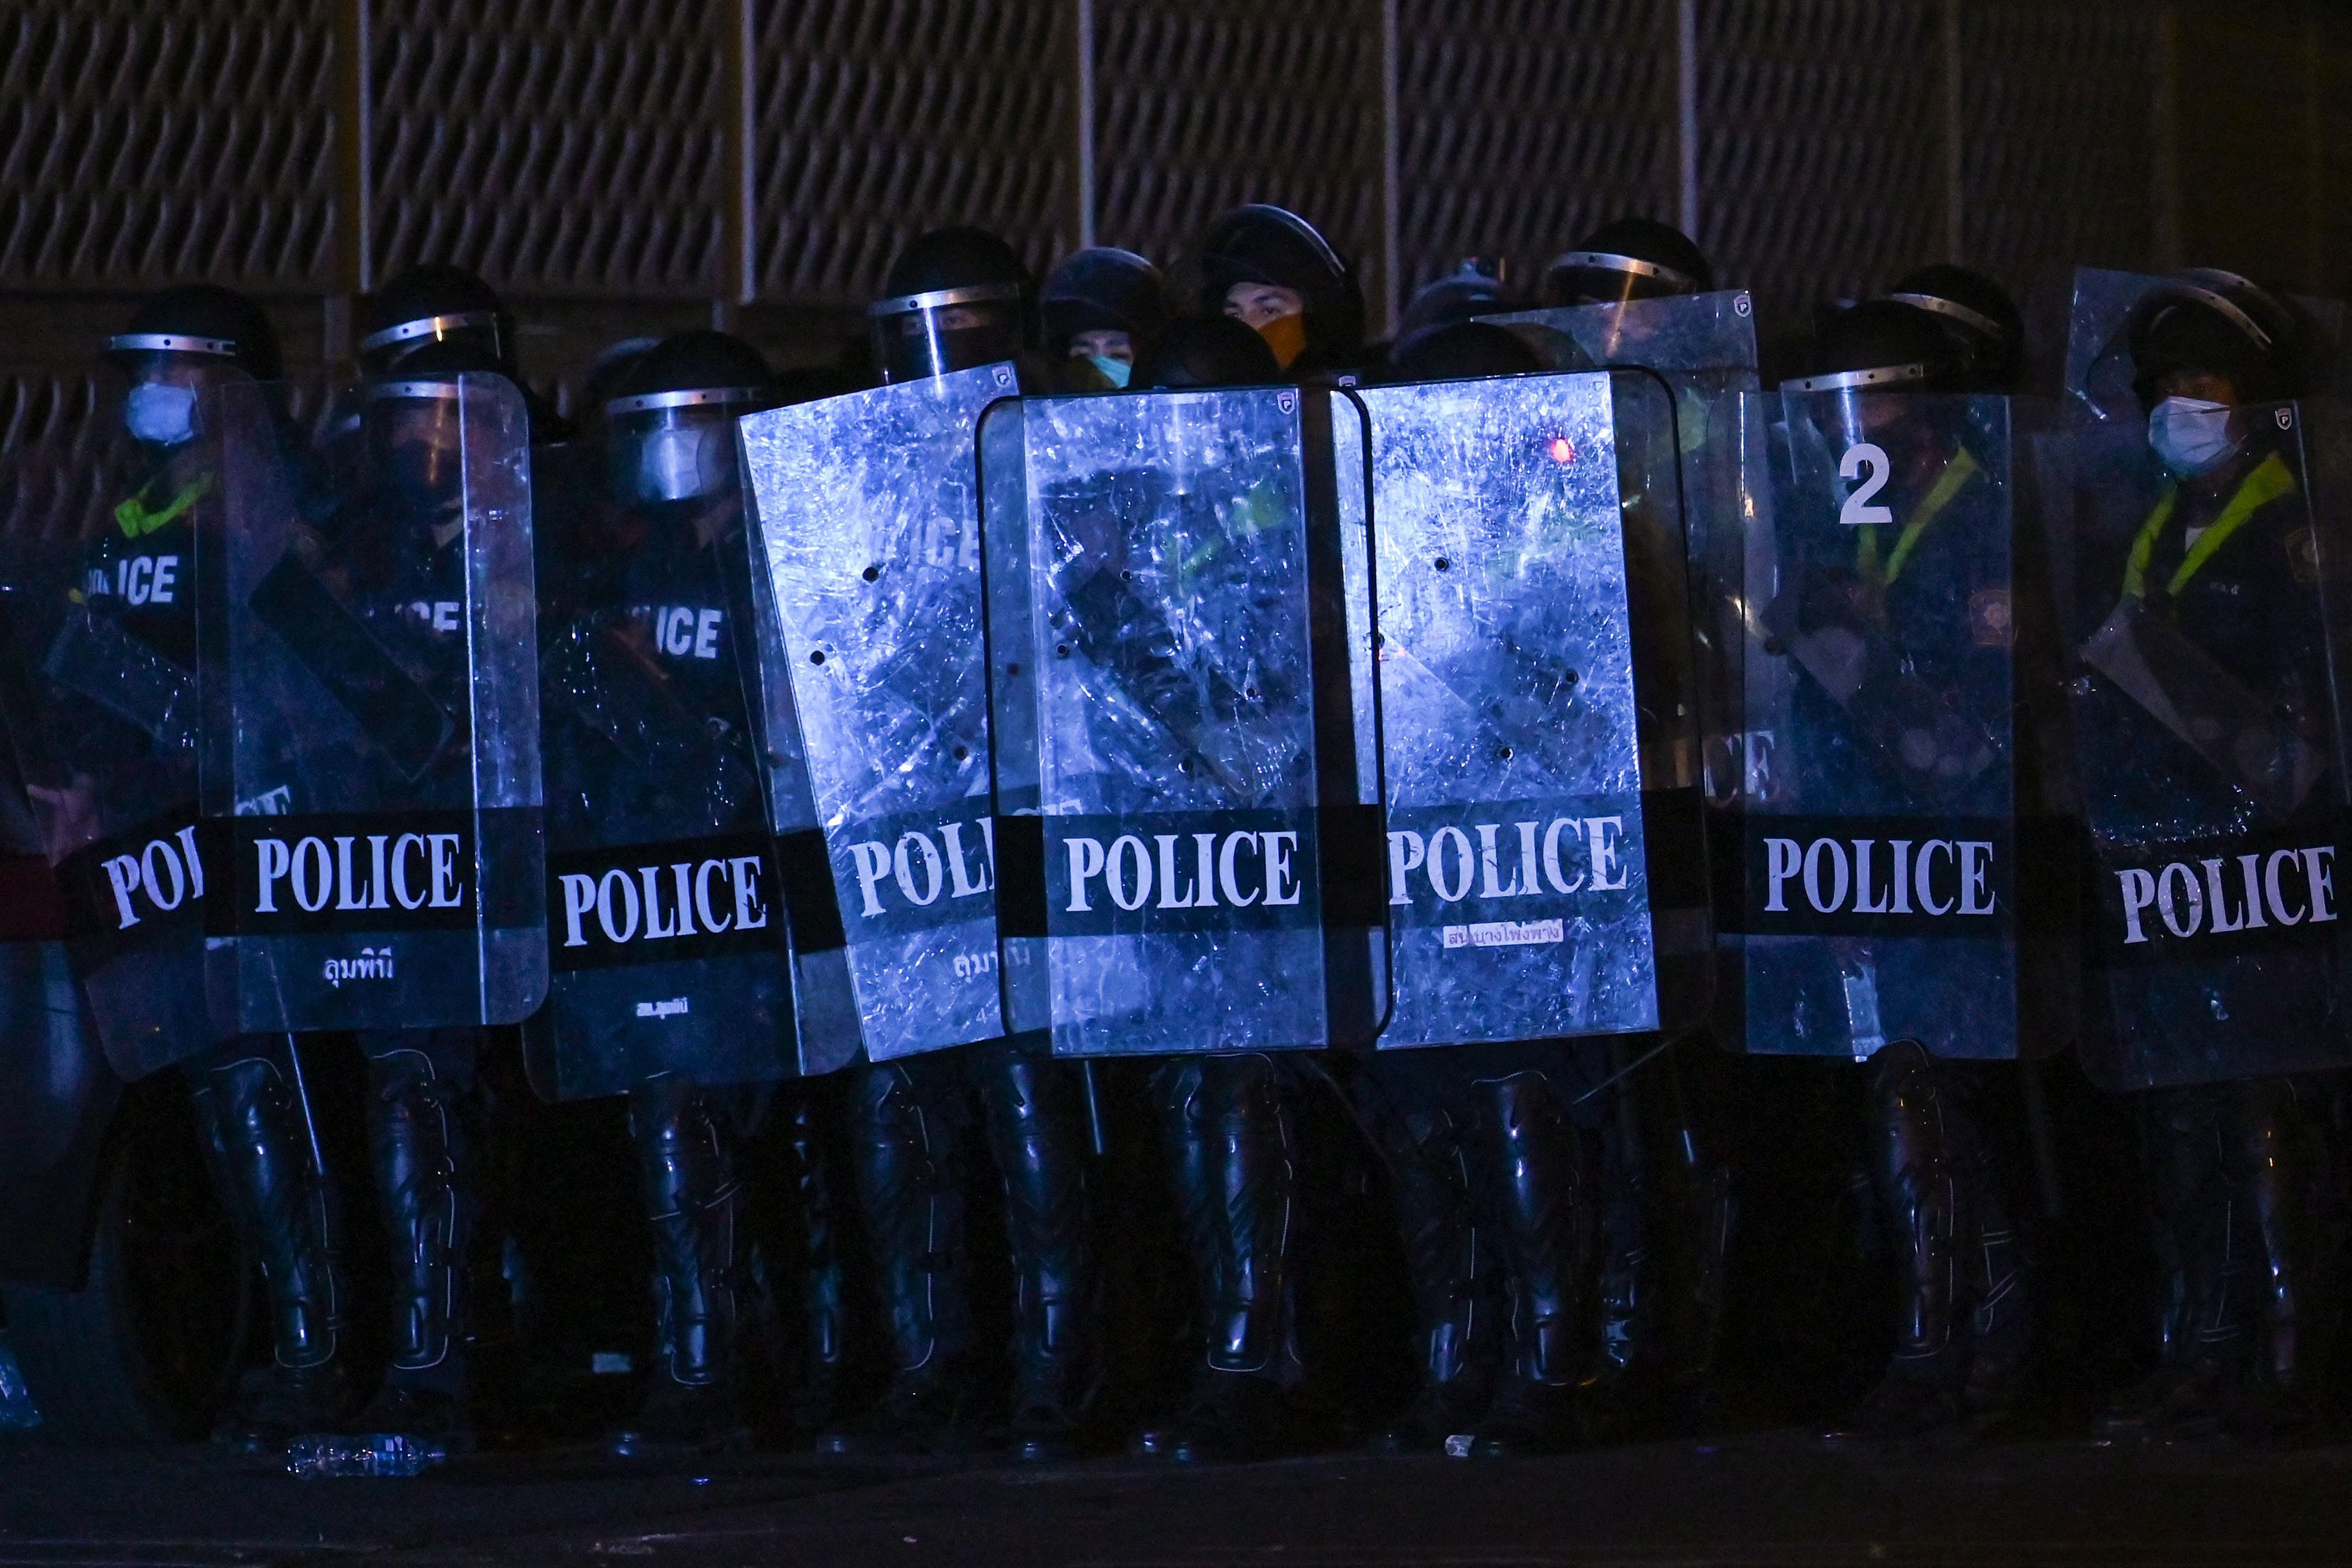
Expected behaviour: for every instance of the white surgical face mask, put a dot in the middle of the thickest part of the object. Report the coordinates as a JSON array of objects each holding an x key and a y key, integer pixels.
[
  {"x": 161, "y": 414},
  {"x": 669, "y": 465},
  {"x": 2190, "y": 435}
]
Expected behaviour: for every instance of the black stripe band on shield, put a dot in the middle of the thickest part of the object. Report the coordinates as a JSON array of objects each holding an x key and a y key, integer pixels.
[
  {"x": 1021, "y": 876},
  {"x": 811, "y": 903}
]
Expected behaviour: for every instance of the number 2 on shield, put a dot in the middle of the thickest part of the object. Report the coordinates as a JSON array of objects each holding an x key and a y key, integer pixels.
[{"x": 1857, "y": 511}]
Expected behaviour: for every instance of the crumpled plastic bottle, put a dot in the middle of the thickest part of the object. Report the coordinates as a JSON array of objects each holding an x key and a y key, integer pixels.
[
  {"x": 18, "y": 1411},
  {"x": 385, "y": 1454}
]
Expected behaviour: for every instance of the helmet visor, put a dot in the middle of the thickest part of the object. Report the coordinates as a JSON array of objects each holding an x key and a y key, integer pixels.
[
  {"x": 677, "y": 446},
  {"x": 917, "y": 336}
]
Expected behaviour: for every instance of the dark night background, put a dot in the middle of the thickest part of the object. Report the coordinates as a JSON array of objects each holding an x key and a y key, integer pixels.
[{"x": 621, "y": 167}]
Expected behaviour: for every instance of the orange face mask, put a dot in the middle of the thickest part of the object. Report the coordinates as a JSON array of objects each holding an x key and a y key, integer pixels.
[{"x": 1286, "y": 336}]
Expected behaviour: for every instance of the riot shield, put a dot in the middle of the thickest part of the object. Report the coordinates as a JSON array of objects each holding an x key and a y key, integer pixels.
[
  {"x": 2206, "y": 620},
  {"x": 1707, "y": 341},
  {"x": 1154, "y": 691},
  {"x": 1874, "y": 887},
  {"x": 54, "y": 1085},
  {"x": 867, "y": 524},
  {"x": 666, "y": 941},
  {"x": 1533, "y": 708},
  {"x": 372, "y": 720},
  {"x": 97, "y": 685}
]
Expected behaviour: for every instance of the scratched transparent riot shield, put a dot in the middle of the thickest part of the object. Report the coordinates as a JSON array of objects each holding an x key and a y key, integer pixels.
[
  {"x": 1155, "y": 702},
  {"x": 2204, "y": 621},
  {"x": 666, "y": 937},
  {"x": 56, "y": 1086},
  {"x": 868, "y": 528},
  {"x": 97, "y": 684},
  {"x": 1532, "y": 706},
  {"x": 371, "y": 765},
  {"x": 1705, "y": 347},
  {"x": 1873, "y": 891}
]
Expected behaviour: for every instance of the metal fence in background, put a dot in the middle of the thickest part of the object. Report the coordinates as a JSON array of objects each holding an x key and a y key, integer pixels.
[{"x": 758, "y": 162}]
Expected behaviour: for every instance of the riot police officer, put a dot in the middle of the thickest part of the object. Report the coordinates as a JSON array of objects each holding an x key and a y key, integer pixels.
[
  {"x": 650, "y": 741},
  {"x": 1961, "y": 1322},
  {"x": 1104, "y": 310},
  {"x": 182, "y": 347},
  {"x": 395, "y": 551},
  {"x": 1227, "y": 1120},
  {"x": 957, "y": 299},
  {"x": 2220, "y": 574},
  {"x": 1275, "y": 272}
]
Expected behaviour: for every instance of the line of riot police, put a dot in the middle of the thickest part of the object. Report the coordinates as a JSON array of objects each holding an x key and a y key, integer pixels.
[{"x": 1184, "y": 762}]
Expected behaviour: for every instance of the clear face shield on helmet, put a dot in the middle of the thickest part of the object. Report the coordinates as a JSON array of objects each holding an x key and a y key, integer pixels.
[
  {"x": 1852, "y": 408},
  {"x": 416, "y": 440},
  {"x": 1604, "y": 277},
  {"x": 676, "y": 445},
  {"x": 168, "y": 371},
  {"x": 482, "y": 329},
  {"x": 917, "y": 336}
]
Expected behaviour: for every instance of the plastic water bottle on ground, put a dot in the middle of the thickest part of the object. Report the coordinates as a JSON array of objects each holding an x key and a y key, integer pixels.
[
  {"x": 18, "y": 1411},
  {"x": 380, "y": 1454}
]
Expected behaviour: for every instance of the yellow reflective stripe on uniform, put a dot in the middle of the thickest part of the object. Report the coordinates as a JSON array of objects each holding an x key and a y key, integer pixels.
[
  {"x": 1962, "y": 467},
  {"x": 2271, "y": 479},
  {"x": 135, "y": 520},
  {"x": 2143, "y": 549}
]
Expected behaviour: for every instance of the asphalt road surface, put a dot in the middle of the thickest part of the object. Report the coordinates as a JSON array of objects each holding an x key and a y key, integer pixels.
[{"x": 1768, "y": 1498}]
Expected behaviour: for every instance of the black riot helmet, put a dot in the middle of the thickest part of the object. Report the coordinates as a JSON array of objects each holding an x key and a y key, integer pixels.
[
  {"x": 414, "y": 417},
  {"x": 2216, "y": 323},
  {"x": 1464, "y": 349},
  {"x": 1883, "y": 345},
  {"x": 1104, "y": 290},
  {"x": 435, "y": 302},
  {"x": 1631, "y": 258},
  {"x": 607, "y": 374},
  {"x": 1472, "y": 289},
  {"x": 180, "y": 340},
  {"x": 1279, "y": 249},
  {"x": 1976, "y": 315},
  {"x": 955, "y": 298},
  {"x": 1208, "y": 351},
  {"x": 672, "y": 430}
]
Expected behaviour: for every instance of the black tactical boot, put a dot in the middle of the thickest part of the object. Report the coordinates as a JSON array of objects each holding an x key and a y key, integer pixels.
[
  {"x": 1913, "y": 1173},
  {"x": 1443, "y": 1265},
  {"x": 417, "y": 1139},
  {"x": 906, "y": 1130},
  {"x": 1536, "y": 1157},
  {"x": 2202, "y": 1234},
  {"x": 1695, "y": 1181},
  {"x": 1229, "y": 1135},
  {"x": 257, "y": 1137},
  {"x": 2000, "y": 1322},
  {"x": 1037, "y": 1133},
  {"x": 694, "y": 1201},
  {"x": 2275, "y": 1171},
  {"x": 824, "y": 1278},
  {"x": 1626, "y": 1395}
]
